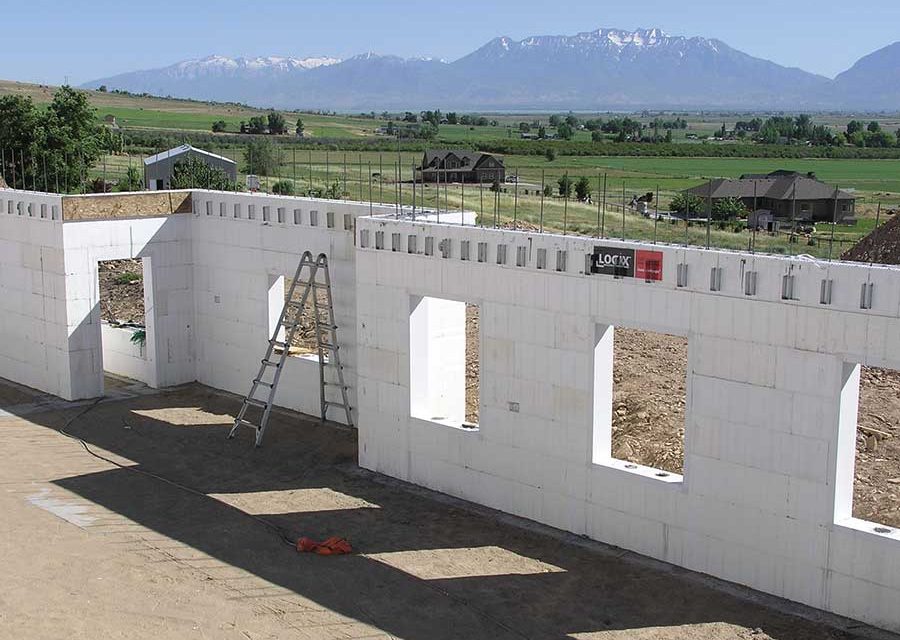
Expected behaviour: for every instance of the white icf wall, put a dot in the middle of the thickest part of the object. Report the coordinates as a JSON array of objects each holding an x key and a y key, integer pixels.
[
  {"x": 33, "y": 346},
  {"x": 244, "y": 245},
  {"x": 772, "y": 379},
  {"x": 123, "y": 356},
  {"x": 164, "y": 246}
]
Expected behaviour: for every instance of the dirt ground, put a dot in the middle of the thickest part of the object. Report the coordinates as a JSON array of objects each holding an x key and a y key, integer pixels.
[
  {"x": 173, "y": 536},
  {"x": 122, "y": 291}
]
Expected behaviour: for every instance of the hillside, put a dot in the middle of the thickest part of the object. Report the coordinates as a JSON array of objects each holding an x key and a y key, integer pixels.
[
  {"x": 876, "y": 76},
  {"x": 601, "y": 69}
]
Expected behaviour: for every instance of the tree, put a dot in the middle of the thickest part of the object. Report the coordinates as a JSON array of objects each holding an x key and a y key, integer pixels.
[
  {"x": 257, "y": 125},
  {"x": 102, "y": 88},
  {"x": 409, "y": 116},
  {"x": 298, "y": 129},
  {"x": 727, "y": 209},
  {"x": 565, "y": 186},
  {"x": 565, "y": 131},
  {"x": 596, "y": 135},
  {"x": 683, "y": 203},
  {"x": 669, "y": 136},
  {"x": 542, "y": 132},
  {"x": 854, "y": 126},
  {"x": 452, "y": 117},
  {"x": 572, "y": 120},
  {"x": 583, "y": 188},
  {"x": 874, "y": 127},
  {"x": 53, "y": 146},
  {"x": 555, "y": 120},
  {"x": 261, "y": 157},
  {"x": 192, "y": 172},
  {"x": 132, "y": 180},
  {"x": 218, "y": 126},
  {"x": 548, "y": 191},
  {"x": 550, "y": 154},
  {"x": 277, "y": 124}
]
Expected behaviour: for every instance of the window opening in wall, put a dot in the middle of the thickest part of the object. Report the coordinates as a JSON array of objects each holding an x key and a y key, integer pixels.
[
  {"x": 303, "y": 343},
  {"x": 640, "y": 385},
  {"x": 237, "y": 211},
  {"x": 329, "y": 219},
  {"x": 874, "y": 447},
  {"x": 445, "y": 357},
  {"x": 123, "y": 320},
  {"x": 298, "y": 216}
]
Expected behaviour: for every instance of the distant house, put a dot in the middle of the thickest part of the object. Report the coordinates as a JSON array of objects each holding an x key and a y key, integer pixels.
[
  {"x": 460, "y": 166},
  {"x": 785, "y": 195},
  {"x": 158, "y": 169}
]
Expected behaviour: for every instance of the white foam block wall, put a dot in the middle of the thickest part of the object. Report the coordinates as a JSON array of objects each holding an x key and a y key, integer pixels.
[
  {"x": 236, "y": 262},
  {"x": 166, "y": 243},
  {"x": 758, "y": 503},
  {"x": 33, "y": 348},
  {"x": 123, "y": 357}
]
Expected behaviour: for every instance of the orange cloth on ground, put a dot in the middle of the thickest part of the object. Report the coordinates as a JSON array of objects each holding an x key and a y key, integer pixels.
[{"x": 334, "y": 546}]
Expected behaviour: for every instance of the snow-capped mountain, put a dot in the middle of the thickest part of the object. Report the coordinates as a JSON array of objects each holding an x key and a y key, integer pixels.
[{"x": 593, "y": 70}]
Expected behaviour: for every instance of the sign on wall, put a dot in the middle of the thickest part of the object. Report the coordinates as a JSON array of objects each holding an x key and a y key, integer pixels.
[{"x": 627, "y": 263}]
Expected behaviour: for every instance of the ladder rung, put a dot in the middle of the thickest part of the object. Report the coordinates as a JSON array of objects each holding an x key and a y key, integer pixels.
[
  {"x": 246, "y": 424},
  {"x": 265, "y": 384},
  {"x": 326, "y": 325},
  {"x": 269, "y": 363},
  {"x": 336, "y": 384},
  {"x": 329, "y": 403},
  {"x": 332, "y": 347},
  {"x": 256, "y": 403},
  {"x": 289, "y": 323}
]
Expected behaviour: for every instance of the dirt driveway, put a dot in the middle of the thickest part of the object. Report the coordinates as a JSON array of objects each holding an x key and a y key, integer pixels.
[{"x": 91, "y": 549}]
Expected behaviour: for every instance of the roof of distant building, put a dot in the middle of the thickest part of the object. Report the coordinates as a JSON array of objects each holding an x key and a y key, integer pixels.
[
  {"x": 185, "y": 148},
  {"x": 778, "y": 185}
]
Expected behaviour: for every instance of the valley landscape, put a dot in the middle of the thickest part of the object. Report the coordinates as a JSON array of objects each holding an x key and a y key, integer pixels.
[{"x": 524, "y": 441}]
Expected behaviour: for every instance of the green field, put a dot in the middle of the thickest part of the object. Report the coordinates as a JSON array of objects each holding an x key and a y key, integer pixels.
[{"x": 375, "y": 174}]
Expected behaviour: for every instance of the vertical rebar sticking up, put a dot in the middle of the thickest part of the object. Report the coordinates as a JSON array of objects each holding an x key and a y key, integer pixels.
[
  {"x": 656, "y": 217},
  {"x": 437, "y": 199},
  {"x": 380, "y": 179},
  {"x": 327, "y": 173},
  {"x": 708, "y": 212},
  {"x": 399, "y": 187},
  {"x": 310, "y": 172},
  {"x": 414, "y": 193},
  {"x": 755, "y": 221},
  {"x": 833, "y": 222},
  {"x": 481, "y": 201},
  {"x": 687, "y": 215},
  {"x": 462, "y": 201},
  {"x": 566, "y": 203},
  {"x": 599, "y": 187},
  {"x": 542, "y": 201},
  {"x": 603, "y": 215},
  {"x": 294, "y": 164},
  {"x": 370, "y": 187},
  {"x": 623, "y": 209},
  {"x": 793, "y": 220},
  {"x": 516, "y": 202}
]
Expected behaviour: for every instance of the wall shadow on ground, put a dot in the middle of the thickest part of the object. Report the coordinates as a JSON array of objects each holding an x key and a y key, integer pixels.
[{"x": 591, "y": 590}]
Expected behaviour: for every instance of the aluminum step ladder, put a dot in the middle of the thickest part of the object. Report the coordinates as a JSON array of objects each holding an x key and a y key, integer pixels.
[{"x": 311, "y": 279}]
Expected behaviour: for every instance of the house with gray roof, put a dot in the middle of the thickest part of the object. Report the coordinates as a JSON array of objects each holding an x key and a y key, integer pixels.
[
  {"x": 460, "y": 166},
  {"x": 786, "y": 195}
]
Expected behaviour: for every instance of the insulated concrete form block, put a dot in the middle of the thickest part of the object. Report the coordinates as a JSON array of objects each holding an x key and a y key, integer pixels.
[{"x": 767, "y": 393}]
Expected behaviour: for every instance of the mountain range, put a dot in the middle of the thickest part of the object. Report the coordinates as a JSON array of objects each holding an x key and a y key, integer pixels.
[{"x": 605, "y": 69}]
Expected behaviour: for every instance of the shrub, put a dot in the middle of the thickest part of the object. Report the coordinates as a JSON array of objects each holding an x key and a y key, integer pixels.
[
  {"x": 283, "y": 188},
  {"x": 127, "y": 278}
]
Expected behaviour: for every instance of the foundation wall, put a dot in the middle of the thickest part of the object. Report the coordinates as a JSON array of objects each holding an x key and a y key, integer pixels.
[{"x": 770, "y": 413}]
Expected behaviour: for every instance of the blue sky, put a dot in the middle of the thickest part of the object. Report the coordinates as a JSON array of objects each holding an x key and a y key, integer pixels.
[{"x": 48, "y": 41}]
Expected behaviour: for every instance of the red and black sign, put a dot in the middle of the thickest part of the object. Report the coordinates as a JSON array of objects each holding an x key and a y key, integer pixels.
[{"x": 627, "y": 263}]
